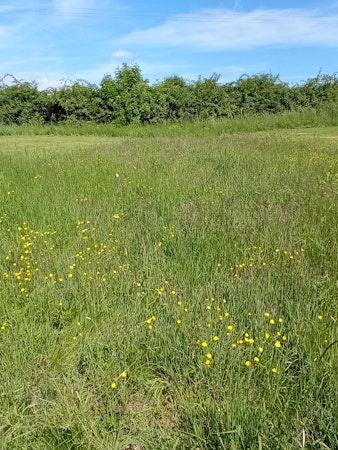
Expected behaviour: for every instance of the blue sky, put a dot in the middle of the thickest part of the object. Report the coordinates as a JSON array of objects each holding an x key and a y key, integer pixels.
[{"x": 50, "y": 41}]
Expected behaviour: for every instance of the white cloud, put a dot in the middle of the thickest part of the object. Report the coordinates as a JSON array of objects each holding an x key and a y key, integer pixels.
[
  {"x": 124, "y": 54},
  {"x": 220, "y": 29},
  {"x": 45, "y": 83}
]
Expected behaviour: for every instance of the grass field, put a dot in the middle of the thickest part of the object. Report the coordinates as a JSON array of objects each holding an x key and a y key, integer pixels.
[{"x": 169, "y": 292}]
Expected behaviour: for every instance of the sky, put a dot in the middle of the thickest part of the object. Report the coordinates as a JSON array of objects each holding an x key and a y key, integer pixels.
[{"x": 54, "y": 41}]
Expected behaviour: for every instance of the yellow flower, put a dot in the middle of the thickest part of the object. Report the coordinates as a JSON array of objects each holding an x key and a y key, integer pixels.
[
  {"x": 256, "y": 359},
  {"x": 215, "y": 338},
  {"x": 208, "y": 356},
  {"x": 274, "y": 370},
  {"x": 260, "y": 349},
  {"x": 272, "y": 321},
  {"x": 230, "y": 327},
  {"x": 267, "y": 335},
  {"x": 113, "y": 385},
  {"x": 179, "y": 321},
  {"x": 204, "y": 344},
  {"x": 208, "y": 362},
  {"x": 124, "y": 374},
  {"x": 278, "y": 344},
  {"x": 320, "y": 317},
  {"x": 248, "y": 363}
]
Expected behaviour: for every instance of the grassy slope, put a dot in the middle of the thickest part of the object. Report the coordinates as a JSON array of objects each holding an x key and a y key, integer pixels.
[{"x": 213, "y": 237}]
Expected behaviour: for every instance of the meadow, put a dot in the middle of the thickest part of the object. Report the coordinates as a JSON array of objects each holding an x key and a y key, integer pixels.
[{"x": 169, "y": 291}]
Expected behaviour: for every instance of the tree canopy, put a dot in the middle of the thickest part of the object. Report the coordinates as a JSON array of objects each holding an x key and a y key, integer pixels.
[{"x": 128, "y": 98}]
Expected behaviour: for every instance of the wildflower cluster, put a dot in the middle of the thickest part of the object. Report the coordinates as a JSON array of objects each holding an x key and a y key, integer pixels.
[
  {"x": 122, "y": 376},
  {"x": 23, "y": 263},
  {"x": 260, "y": 258},
  {"x": 3, "y": 326},
  {"x": 167, "y": 237},
  {"x": 30, "y": 264},
  {"x": 220, "y": 333}
]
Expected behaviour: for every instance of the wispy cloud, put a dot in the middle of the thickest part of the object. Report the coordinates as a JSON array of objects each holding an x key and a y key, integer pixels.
[
  {"x": 123, "y": 54},
  {"x": 48, "y": 41},
  {"x": 219, "y": 29},
  {"x": 4, "y": 32},
  {"x": 71, "y": 6}
]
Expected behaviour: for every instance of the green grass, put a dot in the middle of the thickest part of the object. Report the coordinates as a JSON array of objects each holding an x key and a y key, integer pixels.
[
  {"x": 179, "y": 260},
  {"x": 325, "y": 116}
]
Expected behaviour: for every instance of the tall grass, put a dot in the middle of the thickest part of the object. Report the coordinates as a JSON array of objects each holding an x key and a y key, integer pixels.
[
  {"x": 169, "y": 292},
  {"x": 324, "y": 117}
]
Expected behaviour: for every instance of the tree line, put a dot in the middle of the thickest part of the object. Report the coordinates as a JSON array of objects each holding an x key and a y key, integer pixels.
[{"x": 128, "y": 98}]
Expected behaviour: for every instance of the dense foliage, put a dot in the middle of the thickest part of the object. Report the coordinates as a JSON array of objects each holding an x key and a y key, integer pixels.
[{"x": 129, "y": 98}]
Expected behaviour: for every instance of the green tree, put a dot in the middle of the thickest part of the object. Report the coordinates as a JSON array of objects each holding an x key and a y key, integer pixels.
[
  {"x": 77, "y": 101},
  {"x": 211, "y": 100},
  {"x": 260, "y": 94},
  {"x": 128, "y": 98},
  {"x": 177, "y": 96},
  {"x": 19, "y": 102}
]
